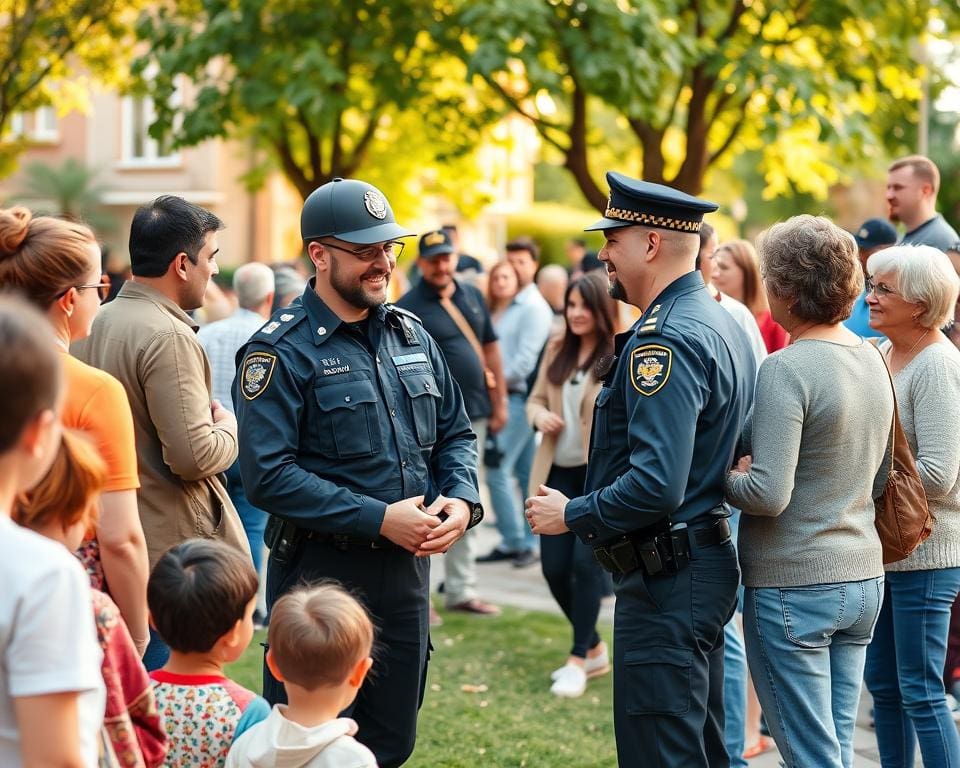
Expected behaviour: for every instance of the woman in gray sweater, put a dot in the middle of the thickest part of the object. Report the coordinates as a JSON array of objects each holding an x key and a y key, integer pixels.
[
  {"x": 913, "y": 293},
  {"x": 809, "y": 551}
]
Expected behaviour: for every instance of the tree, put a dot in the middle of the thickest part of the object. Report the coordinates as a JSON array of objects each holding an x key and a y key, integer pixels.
[
  {"x": 48, "y": 48},
  {"x": 72, "y": 188},
  {"x": 316, "y": 84},
  {"x": 699, "y": 81}
]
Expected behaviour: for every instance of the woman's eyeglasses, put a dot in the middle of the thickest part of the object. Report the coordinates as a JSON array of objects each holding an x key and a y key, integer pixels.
[
  {"x": 103, "y": 288},
  {"x": 880, "y": 289}
]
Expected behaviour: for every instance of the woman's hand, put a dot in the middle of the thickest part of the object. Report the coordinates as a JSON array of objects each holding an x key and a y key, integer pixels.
[
  {"x": 744, "y": 464},
  {"x": 549, "y": 423}
]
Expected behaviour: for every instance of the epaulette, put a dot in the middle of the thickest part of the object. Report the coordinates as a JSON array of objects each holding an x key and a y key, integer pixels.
[
  {"x": 653, "y": 319},
  {"x": 405, "y": 312},
  {"x": 279, "y": 323}
]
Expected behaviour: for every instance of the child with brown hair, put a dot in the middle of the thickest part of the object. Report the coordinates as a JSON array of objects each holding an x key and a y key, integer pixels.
[
  {"x": 61, "y": 507},
  {"x": 319, "y": 640}
]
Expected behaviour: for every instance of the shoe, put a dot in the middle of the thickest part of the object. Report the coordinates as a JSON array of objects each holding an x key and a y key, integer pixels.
[
  {"x": 570, "y": 683},
  {"x": 497, "y": 556},
  {"x": 436, "y": 620},
  {"x": 525, "y": 558},
  {"x": 595, "y": 667},
  {"x": 764, "y": 744},
  {"x": 477, "y": 606}
]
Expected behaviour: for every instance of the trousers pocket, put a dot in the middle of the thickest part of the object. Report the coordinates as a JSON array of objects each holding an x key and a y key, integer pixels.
[
  {"x": 658, "y": 681},
  {"x": 812, "y": 614}
]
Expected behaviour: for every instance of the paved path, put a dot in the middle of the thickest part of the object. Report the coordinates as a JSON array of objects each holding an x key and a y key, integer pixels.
[{"x": 525, "y": 588}]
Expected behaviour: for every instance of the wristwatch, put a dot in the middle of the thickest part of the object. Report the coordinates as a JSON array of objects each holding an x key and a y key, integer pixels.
[{"x": 476, "y": 514}]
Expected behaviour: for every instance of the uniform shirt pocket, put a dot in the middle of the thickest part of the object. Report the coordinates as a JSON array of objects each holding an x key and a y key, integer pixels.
[
  {"x": 658, "y": 680},
  {"x": 348, "y": 416},
  {"x": 600, "y": 438},
  {"x": 424, "y": 401}
]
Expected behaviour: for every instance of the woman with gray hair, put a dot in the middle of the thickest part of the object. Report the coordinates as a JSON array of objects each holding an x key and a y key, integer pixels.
[
  {"x": 912, "y": 292},
  {"x": 810, "y": 554}
]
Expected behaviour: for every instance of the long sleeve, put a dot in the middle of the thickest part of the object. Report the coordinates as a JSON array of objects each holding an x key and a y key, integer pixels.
[{"x": 935, "y": 403}]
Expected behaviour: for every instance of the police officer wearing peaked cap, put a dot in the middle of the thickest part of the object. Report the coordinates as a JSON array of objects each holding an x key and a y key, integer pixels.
[
  {"x": 666, "y": 423},
  {"x": 353, "y": 436}
]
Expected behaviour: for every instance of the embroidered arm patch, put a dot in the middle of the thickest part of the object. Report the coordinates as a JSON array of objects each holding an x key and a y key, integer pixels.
[
  {"x": 650, "y": 368},
  {"x": 256, "y": 373}
]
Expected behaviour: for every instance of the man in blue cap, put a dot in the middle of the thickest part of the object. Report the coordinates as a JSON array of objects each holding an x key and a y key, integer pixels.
[
  {"x": 349, "y": 424},
  {"x": 666, "y": 424},
  {"x": 872, "y": 236}
]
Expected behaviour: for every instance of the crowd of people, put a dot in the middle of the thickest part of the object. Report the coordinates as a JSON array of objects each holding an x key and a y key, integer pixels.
[{"x": 701, "y": 426}]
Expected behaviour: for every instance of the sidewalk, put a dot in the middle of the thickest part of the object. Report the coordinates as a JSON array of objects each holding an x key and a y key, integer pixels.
[{"x": 525, "y": 588}]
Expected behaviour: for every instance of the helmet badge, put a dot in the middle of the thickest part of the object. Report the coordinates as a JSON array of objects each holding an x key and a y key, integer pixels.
[{"x": 375, "y": 204}]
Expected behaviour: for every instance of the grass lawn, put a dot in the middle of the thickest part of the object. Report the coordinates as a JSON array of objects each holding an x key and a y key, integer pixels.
[{"x": 488, "y": 700}]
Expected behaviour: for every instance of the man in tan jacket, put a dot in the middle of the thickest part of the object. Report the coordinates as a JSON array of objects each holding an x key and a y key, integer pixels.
[{"x": 146, "y": 339}]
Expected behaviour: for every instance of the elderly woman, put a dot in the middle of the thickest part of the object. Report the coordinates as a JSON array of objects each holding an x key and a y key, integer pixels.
[
  {"x": 912, "y": 291},
  {"x": 810, "y": 554}
]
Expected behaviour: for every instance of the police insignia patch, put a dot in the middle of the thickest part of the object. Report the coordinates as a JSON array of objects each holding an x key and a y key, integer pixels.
[
  {"x": 650, "y": 368},
  {"x": 375, "y": 204},
  {"x": 257, "y": 370}
]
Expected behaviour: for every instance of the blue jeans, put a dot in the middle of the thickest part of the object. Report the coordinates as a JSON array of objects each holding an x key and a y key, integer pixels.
[
  {"x": 734, "y": 676},
  {"x": 904, "y": 671},
  {"x": 806, "y": 648},
  {"x": 517, "y": 446},
  {"x": 254, "y": 520}
]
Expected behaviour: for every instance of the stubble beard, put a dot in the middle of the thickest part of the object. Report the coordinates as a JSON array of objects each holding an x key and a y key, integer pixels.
[{"x": 355, "y": 294}]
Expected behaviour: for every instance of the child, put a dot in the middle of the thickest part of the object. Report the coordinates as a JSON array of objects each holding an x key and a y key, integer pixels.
[
  {"x": 61, "y": 507},
  {"x": 201, "y": 595},
  {"x": 319, "y": 648},
  {"x": 51, "y": 693}
]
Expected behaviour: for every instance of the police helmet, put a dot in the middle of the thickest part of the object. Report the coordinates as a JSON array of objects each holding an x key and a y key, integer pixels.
[{"x": 349, "y": 210}]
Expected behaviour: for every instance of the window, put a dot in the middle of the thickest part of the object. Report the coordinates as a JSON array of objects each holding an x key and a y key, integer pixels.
[
  {"x": 45, "y": 126},
  {"x": 139, "y": 147}
]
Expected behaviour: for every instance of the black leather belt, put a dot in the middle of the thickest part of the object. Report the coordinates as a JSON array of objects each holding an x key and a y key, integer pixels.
[
  {"x": 347, "y": 542},
  {"x": 668, "y": 551}
]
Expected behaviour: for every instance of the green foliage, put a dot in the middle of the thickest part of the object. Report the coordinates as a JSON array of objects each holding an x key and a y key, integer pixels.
[
  {"x": 551, "y": 225},
  {"x": 48, "y": 50},
  {"x": 506, "y": 717},
  {"x": 71, "y": 188},
  {"x": 321, "y": 86}
]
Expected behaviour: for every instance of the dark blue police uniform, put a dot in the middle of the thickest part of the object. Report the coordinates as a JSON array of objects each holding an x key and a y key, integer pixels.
[
  {"x": 336, "y": 421},
  {"x": 666, "y": 423}
]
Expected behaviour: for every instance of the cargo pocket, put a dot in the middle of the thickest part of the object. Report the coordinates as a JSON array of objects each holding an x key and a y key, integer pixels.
[
  {"x": 349, "y": 426},
  {"x": 601, "y": 420},
  {"x": 424, "y": 401},
  {"x": 657, "y": 681}
]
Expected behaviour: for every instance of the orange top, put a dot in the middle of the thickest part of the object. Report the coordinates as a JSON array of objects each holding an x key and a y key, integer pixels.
[{"x": 96, "y": 403}]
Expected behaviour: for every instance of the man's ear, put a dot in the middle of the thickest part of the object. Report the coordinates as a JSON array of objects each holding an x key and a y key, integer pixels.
[
  {"x": 179, "y": 265},
  {"x": 359, "y": 672},
  {"x": 318, "y": 255},
  {"x": 272, "y": 666},
  {"x": 654, "y": 244}
]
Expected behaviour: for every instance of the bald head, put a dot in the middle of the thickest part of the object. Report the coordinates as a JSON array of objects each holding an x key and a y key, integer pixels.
[{"x": 552, "y": 283}]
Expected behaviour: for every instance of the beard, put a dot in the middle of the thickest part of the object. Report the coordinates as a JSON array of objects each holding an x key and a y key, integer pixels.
[
  {"x": 616, "y": 290},
  {"x": 354, "y": 293}
]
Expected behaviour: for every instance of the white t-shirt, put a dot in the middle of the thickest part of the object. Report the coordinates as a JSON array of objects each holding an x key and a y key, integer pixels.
[
  {"x": 48, "y": 641},
  {"x": 745, "y": 319},
  {"x": 569, "y": 451}
]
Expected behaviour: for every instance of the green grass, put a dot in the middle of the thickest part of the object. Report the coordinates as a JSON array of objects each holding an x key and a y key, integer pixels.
[{"x": 515, "y": 721}]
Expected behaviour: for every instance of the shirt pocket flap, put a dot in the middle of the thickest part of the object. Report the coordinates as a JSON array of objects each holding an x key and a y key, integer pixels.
[
  {"x": 603, "y": 397},
  {"x": 347, "y": 394},
  {"x": 420, "y": 384}
]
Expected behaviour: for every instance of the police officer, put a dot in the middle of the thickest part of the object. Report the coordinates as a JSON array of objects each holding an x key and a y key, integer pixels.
[
  {"x": 666, "y": 423},
  {"x": 348, "y": 421}
]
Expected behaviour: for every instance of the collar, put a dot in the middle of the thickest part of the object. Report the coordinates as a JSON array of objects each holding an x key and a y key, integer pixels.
[
  {"x": 324, "y": 322},
  {"x": 247, "y": 314},
  {"x": 654, "y": 316},
  {"x": 921, "y": 226},
  {"x": 429, "y": 292},
  {"x": 525, "y": 294},
  {"x": 134, "y": 290},
  {"x": 683, "y": 284}
]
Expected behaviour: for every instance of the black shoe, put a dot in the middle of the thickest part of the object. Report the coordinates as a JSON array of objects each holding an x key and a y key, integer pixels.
[
  {"x": 525, "y": 558},
  {"x": 498, "y": 556}
]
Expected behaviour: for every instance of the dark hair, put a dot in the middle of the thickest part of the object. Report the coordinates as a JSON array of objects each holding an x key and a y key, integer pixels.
[
  {"x": 197, "y": 591},
  {"x": 593, "y": 288},
  {"x": 706, "y": 232},
  {"x": 448, "y": 228},
  {"x": 525, "y": 244},
  {"x": 744, "y": 257},
  {"x": 162, "y": 229}
]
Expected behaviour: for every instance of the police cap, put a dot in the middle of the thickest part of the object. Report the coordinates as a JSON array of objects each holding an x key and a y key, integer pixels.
[
  {"x": 635, "y": 202},
  {"x": 349, "y": 210},
  {"x": 435, "y": 243}
]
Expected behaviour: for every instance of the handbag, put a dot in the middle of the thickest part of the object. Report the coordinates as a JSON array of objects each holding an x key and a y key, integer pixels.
[{"x": 903, "y": 517}]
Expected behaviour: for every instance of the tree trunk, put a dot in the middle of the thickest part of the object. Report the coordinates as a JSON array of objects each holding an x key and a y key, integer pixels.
[{"x": 575, "y": 158}]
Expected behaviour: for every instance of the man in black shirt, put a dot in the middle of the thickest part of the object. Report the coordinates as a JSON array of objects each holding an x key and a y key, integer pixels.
[{"x": 455, "y": 315}]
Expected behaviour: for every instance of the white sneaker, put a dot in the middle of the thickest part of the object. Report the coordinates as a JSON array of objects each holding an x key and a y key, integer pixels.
[
  {"x": 595, "y": 667},
  {"x": 571, "y": 682}
]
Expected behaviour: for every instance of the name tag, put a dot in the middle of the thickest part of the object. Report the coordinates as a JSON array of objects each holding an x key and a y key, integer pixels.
[{"x": 416, "y": 357}]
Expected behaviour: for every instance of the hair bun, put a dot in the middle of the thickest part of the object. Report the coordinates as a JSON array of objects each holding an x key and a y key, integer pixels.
[{"x": 14, "y": 224}]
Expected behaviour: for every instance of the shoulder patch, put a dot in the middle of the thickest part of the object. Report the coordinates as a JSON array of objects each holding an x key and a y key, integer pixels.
[
  {"x": 279, "y": 324},
  {"x": 650, "y": 368},
  {"x": 255, "y": 374}
]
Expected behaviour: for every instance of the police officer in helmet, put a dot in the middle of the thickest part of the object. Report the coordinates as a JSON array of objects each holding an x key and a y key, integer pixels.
[
  {"x": 666, "y": 423},
  {"x": 354, "y": 438}
]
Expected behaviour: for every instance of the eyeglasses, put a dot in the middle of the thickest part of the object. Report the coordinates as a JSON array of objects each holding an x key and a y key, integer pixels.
[
  {"x": 391, "y": 250},
  {"x": 881, "y": 290},
  {"x": 103, "y": 288}
]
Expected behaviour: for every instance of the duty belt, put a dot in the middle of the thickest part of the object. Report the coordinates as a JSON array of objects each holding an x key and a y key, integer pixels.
[{"x": 662, "y": 553}]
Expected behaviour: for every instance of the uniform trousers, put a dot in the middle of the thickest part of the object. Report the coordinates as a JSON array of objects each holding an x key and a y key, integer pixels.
[
  {"x": 668, "y": 662},
  {"x": 394, "y": 587}
]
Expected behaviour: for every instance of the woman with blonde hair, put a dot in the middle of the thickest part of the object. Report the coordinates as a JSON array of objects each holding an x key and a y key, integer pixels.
[
  {"x": 912, "y": 293},
  {"x": 55, "y": 265},
  {"x": 736, "y": 272}
]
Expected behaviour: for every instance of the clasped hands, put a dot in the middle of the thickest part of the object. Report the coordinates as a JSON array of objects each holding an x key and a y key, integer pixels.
[{"x": 425, "y": 531}]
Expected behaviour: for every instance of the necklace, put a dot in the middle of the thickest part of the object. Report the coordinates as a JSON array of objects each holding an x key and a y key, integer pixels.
[
  {"x": 906, "y": 357},
  {"x": 800, "y": 335}
]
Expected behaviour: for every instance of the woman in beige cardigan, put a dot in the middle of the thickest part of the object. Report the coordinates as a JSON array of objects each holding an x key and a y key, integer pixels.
[{"x": 561, "y": 408}]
